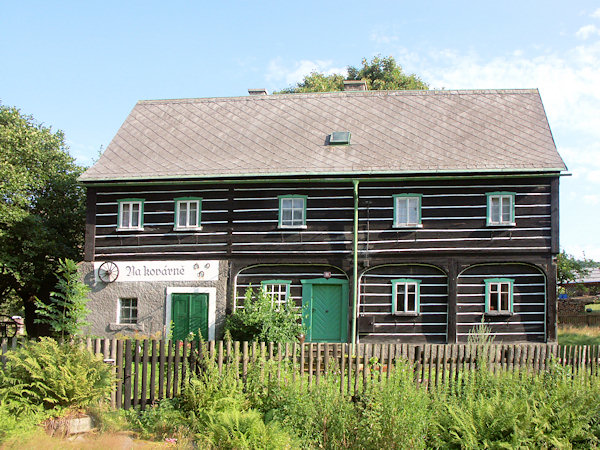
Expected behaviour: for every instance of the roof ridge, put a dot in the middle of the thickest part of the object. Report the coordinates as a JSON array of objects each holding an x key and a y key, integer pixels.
[{"x": 405, "y": 92}]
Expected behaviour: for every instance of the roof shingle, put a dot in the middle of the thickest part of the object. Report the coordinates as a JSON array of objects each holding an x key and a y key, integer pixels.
[{"x": 392, "y": 132}]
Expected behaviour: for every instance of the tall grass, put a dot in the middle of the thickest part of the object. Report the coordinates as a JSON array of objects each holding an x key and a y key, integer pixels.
[{"x": 570, "y": 335}]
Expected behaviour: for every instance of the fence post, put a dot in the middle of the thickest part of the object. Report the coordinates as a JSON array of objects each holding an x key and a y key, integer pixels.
[
  {"x": 119, "y": 361},
  {"x": 144, "y": 373},
  {"x": 127, "y": 375}
]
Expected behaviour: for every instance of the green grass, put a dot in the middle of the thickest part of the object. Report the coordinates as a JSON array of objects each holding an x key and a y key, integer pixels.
[{"x": 568, "y": 335}]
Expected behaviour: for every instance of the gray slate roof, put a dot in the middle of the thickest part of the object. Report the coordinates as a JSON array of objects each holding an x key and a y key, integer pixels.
[{"x": 393, "y": 132}]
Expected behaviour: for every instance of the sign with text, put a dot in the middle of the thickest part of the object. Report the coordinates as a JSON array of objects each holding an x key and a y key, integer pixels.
[{"x": 160, "y": 270}]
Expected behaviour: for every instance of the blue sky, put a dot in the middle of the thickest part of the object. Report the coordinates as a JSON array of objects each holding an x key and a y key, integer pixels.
[{"x": 81, "y": 66}]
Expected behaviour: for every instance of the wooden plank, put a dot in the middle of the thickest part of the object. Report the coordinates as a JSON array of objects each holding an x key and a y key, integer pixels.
[
  {"x": 220, "y": 357},
  {"x": 153, "y": 361},
  {"x": 245, "y": 360},
  {"x": 144, "y": 392},
  {"x": 391, "y": 351},
  {"x": 326, "y": 358},
  {"x": 211, "y": 351},
  {"x": 279, "y": 359},
  {"x": 169, "y": 390},
  {"x": 119, "y": 370},
  {"x": 438, "y": 364},
  {"x": 342, "y": 367},
  {"x": 310, "y": 363},
  {"x": 161, "y": 370},
  {"x": 452, "y": 366},
  {"x": 356, "y": 357},
  {"x": 318, "y": 356},
  {"x": 236, "y": 358},
  {"x": 302, "y": 360},
  {"x": 136, "y": 372},
  {"x": 365, "y": 362},
  {"x": 176, "y": 368},
  {"x": 184, "y": 363},
  {"x": 127, "y": 375},
  {"x": 417, "y": 364}
]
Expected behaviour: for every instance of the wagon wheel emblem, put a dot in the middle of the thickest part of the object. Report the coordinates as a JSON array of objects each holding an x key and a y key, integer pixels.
[
  {"x": 8, "y": 327},
  {"x": 108, "y": 272}
]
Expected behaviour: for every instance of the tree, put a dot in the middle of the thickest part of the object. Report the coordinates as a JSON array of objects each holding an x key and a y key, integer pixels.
[
  {"x": 380, "y": 74},
  {"x": 42, "y": 210},
  {"x": 66, "y": 311},
  {"x": 570, "y": 269}
]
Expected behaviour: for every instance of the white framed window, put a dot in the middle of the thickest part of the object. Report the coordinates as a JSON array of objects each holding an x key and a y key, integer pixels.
[
  {"x": 127, "y": 311},
  {"x": 187, "y": 213},
  {"x": 406, "y": 295},
  {"x": 499, "y": 296},
  {"x": 277, "y": 290},
  {"x": 131, "y": 214},
  {"x": 407, "y": 211},
  {"x": 501, "y": 209},
  {"x": 292, "y": 211}
]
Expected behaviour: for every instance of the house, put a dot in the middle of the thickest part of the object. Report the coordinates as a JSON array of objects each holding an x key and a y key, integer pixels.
[{"x": 399, "y": 216}]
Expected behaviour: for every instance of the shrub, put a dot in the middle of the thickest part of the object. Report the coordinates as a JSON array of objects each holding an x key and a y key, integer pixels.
[
  {"x": 234, "y": 429},
  {"x": 518, "y": 410},
  {"x": 320, "y": 417},
  {"x": 53, "y": 375},
  {"x": 17, "y": 426},
  {"x": 395, "y": 413},
  {"x": 160, "y": 421},
  {"x": 211, "y": 392},
  {"x": 260, "y": 321}
]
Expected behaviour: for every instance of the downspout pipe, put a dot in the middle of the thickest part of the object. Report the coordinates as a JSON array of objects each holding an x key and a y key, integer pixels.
[{"x": 355, "y": 265}]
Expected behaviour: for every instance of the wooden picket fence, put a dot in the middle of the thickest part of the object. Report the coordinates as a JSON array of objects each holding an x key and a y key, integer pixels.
[
  {"x": 149, "y": 370},
  {"x": 580, "y": 320}
]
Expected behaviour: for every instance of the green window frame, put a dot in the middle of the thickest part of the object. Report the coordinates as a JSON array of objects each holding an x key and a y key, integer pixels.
[
  {"x": 407, "y": 210},
  {"x": 279, "y": 290},
  {"x": 499, "y": 296},
  {"x": 292, "y": 211},
  {"x": 127, "y": 310},
  {"x": 406, "y": 297},
  {"x": 500, "y": 209},
  {"x": 131, "y": 214},
  {"x": 188, "y": 213}
]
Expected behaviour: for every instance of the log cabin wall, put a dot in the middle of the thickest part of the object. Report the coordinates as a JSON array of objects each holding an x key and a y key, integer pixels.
[
  {"x": 240, "y": 224},
  {"x": 243, "y": 220},
  {"x": 528, "y": 319},
  {"x": 375, "y": 307}
]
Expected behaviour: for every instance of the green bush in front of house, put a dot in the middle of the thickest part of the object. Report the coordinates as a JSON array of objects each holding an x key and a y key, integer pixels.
[
  {"x": 51, "y": 375},
  {"x": 260, "y": 321}
]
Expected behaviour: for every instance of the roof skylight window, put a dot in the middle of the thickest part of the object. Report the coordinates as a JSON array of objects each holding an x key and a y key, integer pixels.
[{"x": 339, "y": 138}]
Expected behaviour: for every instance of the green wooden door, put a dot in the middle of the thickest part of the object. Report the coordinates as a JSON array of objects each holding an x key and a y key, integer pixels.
[
  {"x": 189, "y": 313},
  {"x": 325, "y": 309}
]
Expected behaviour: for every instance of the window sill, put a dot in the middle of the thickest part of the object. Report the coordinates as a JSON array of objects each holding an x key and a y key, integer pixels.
[
  {"x": 125, "y": 327},
  {"x": 130, "y": 229},
  {"x": 406, "y": 314},
  {"x": 499, "y": 225},
  {"x": 187, "y": 228},
  {"x": 411, "y": 226},
  {"x": 292, "y": 227},
  {"x": 499, "y": 314}
]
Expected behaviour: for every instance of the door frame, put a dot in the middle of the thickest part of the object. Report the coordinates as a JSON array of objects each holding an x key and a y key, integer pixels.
[
  {"x": 212, "y": 306},
  {"x": 307, "y": 290}
]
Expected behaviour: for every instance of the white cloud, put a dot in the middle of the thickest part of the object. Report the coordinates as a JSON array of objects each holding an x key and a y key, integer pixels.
[
  {"x": 592, "y": 199},
  {"x": 290, "y": 73},
  {"x": 596, "y": 14},
  {"x": 587, "y": 31},
  {"x": 383, "y": 38}
]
